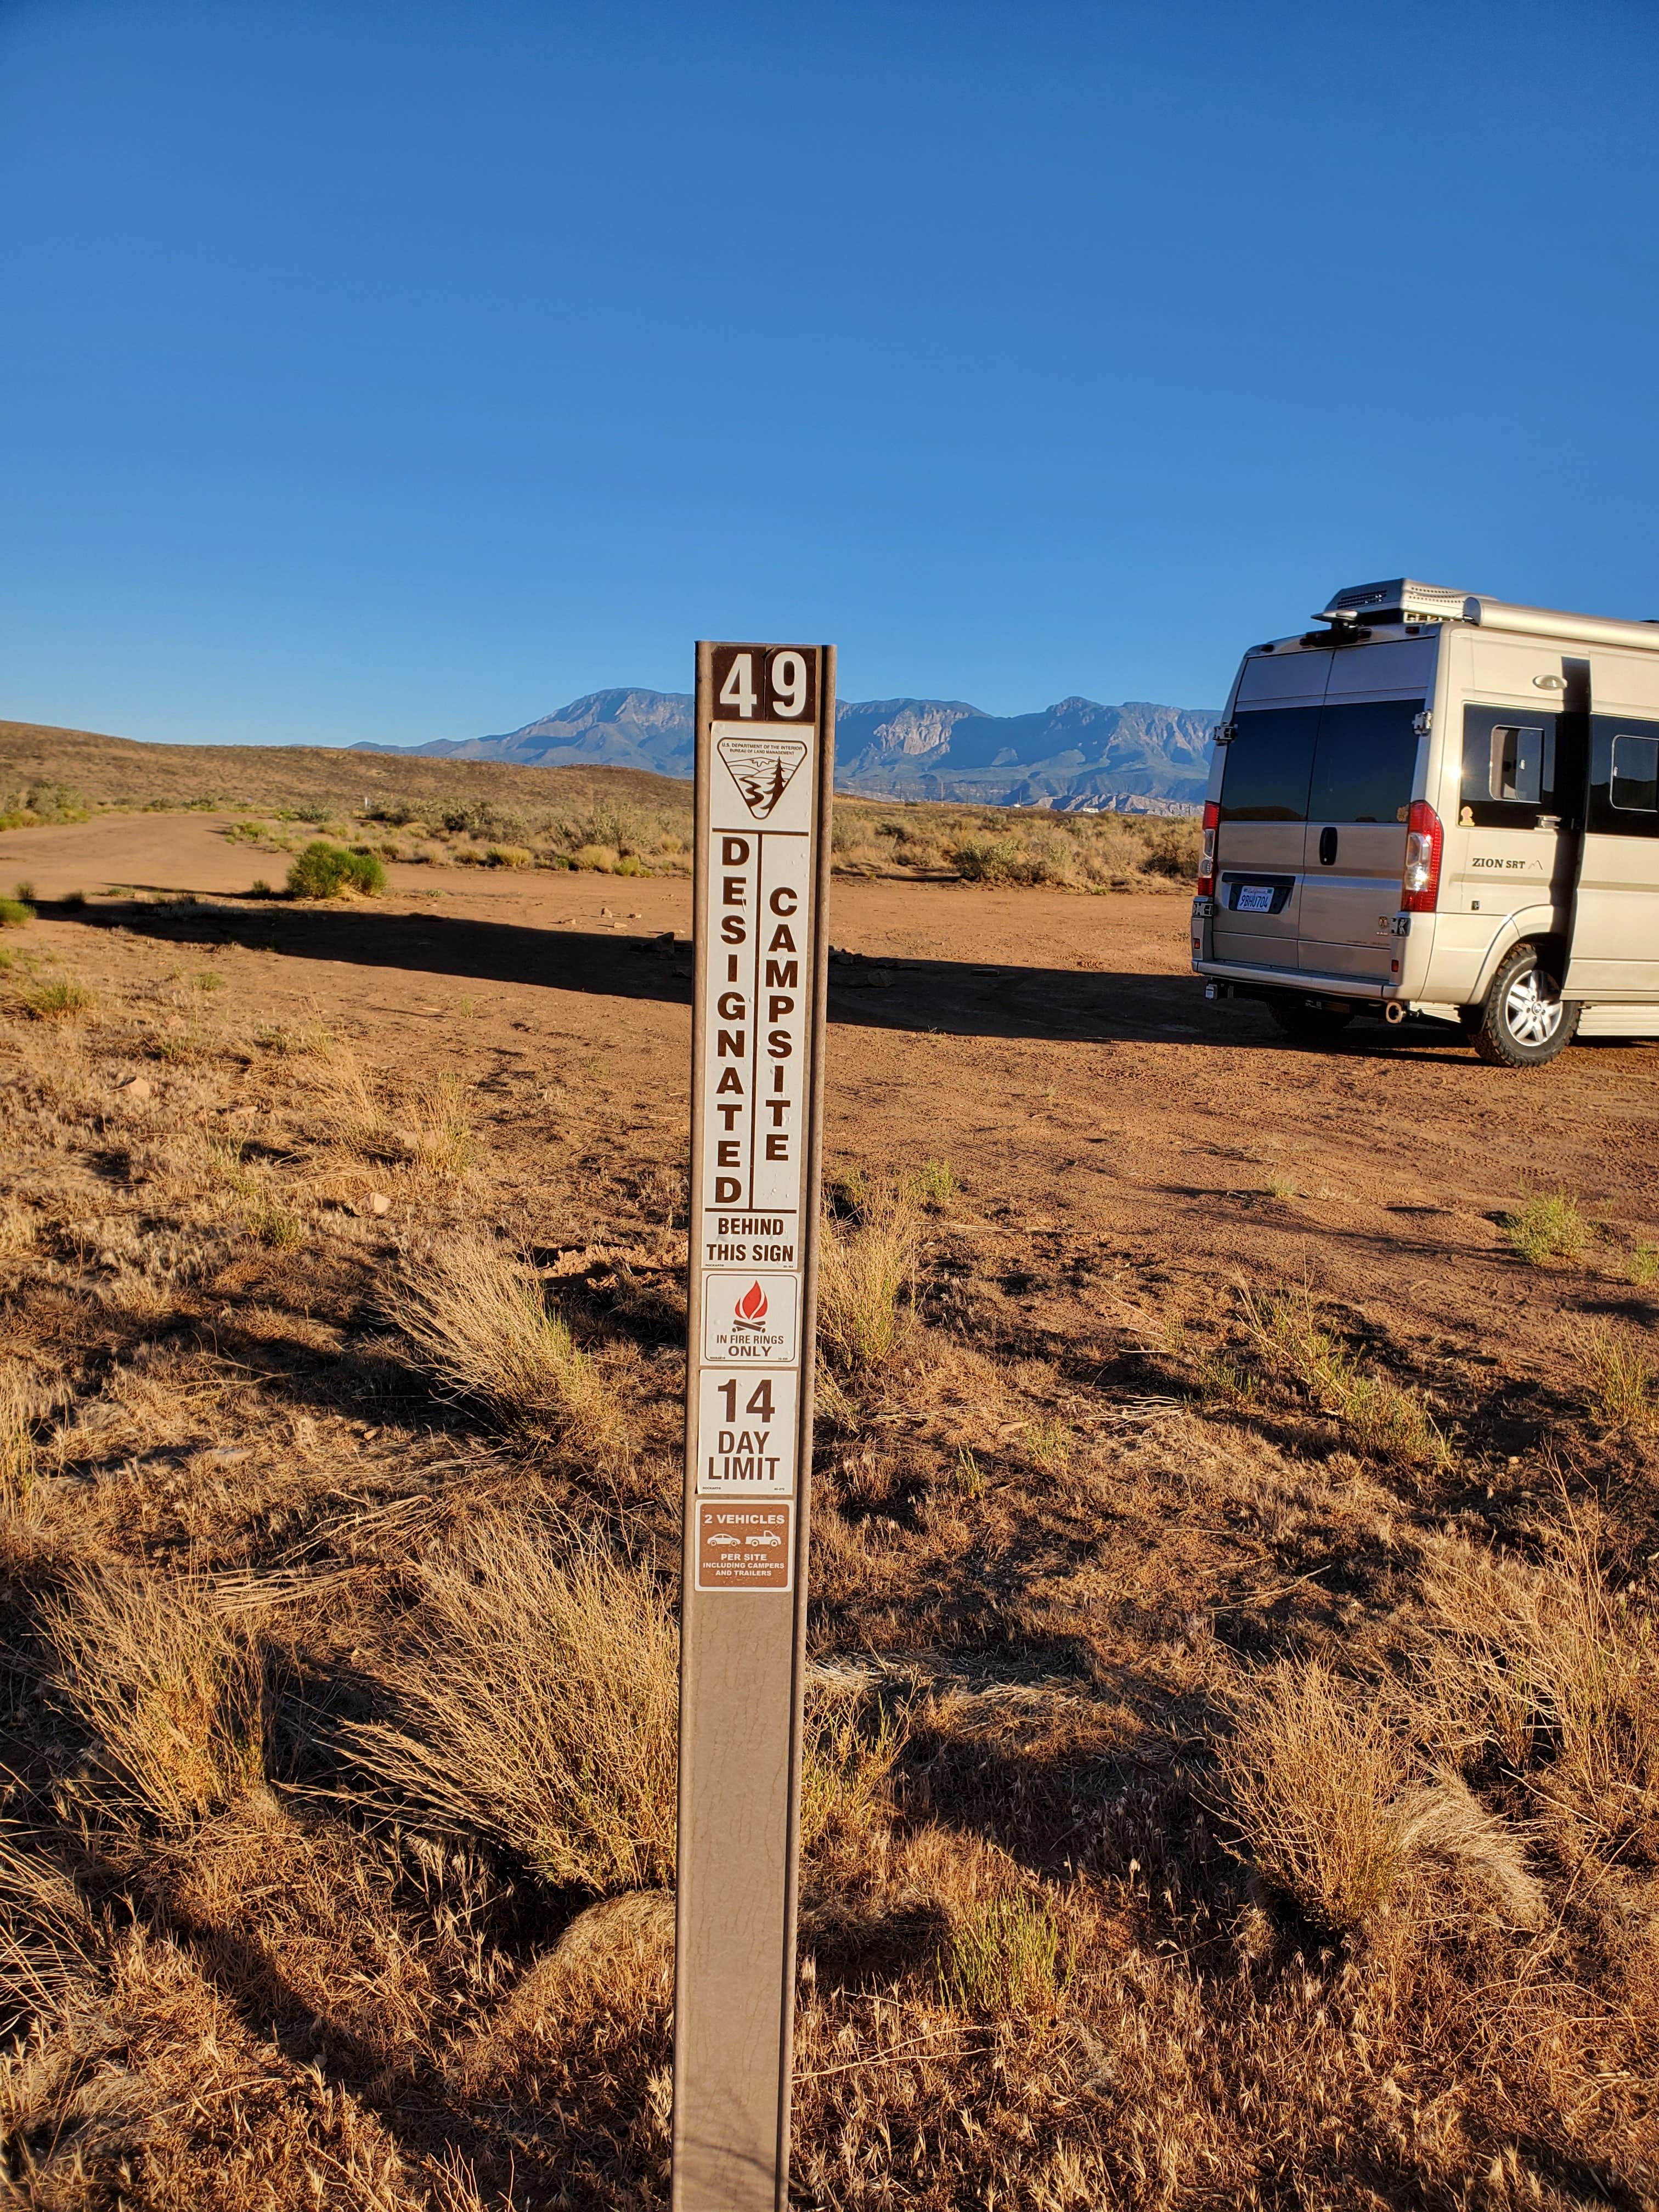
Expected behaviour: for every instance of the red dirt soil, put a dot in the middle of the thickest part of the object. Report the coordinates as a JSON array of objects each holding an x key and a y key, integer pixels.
[{"x": 1053, "y": 1048}]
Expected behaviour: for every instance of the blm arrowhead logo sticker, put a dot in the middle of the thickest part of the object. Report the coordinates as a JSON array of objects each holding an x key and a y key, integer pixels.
[{"x": 762, "y": 768}]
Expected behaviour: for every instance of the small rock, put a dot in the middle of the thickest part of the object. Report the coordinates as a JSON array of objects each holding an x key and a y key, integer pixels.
[
  {"x": 605, "y": 913},
  {"x": 379, "y": 1203},
  {"x": 136, "y": 1087},
  {"x": 634, "y": 916}
]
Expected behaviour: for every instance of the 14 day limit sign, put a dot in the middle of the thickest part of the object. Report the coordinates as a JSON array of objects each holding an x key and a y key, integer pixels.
[{"x": 765, "y": 717}]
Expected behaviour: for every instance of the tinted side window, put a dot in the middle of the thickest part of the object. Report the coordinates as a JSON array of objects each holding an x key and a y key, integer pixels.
[
  {"x": 1268, "y": 764},
  {"x": 1509, "y": 766},
  {"x": 1635, "y": 774},
  {"x": 1365, "y": 762},
  {"x": 1515, "y": 769},
  {"x": 1624, "y": 787}
]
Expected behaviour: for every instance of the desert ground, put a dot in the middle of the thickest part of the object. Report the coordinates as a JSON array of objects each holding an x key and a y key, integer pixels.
[{"x": 1235, "y": 1726}]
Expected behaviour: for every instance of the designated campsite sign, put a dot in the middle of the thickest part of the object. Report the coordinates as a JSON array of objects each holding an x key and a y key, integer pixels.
[{"x": 765, "y": 756}]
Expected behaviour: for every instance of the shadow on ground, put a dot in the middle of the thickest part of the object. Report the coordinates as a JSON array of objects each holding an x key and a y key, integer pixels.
[{"x": 956, "y": 998}]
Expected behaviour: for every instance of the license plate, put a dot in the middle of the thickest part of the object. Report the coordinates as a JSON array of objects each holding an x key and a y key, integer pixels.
[{"x": 1253, "y": 898}]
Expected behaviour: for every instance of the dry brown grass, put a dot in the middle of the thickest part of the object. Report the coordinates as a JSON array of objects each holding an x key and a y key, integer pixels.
[
  {"x": 161, "y": 2093},
  {"x": 847, "y": 1764},
  {"x": 20, "y": 1406},
  {"x": 1314, "y": 1777},
  {"x": 1014, "y": 846},
  {"x": 426, "y": 1126},
  {"x": 1443, "y": 1826},
  {"x": 1034, "y": 1973},
  {"x": 352, "y": 1114},
  {"x": 618, "y": 1954},
  {"x": 47, "y": 1935},
  {"x": 1555, "y": 1673},
  {"x": 169, "y": 1693},
  {"x": 1384, "y": 1421},
  {"x": 311, "y": 783},
  {"x": 1621, "y": 1377},
  {"x": 536, "y": 1703},
  {"x": 478, "y": 1319},
  {"x": 1322, "y": 1779},
  {"x": 866, "y": 1274},
  {"x": 438, "y": 1129},
  {"x": 340, "y": 1938}
]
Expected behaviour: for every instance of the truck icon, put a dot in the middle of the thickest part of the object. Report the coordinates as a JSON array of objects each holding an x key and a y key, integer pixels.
[{"x": 768, "y": 1536}]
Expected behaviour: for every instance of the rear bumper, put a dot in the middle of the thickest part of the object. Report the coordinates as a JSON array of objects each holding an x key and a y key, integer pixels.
[{"x": 1302, "y": 981}]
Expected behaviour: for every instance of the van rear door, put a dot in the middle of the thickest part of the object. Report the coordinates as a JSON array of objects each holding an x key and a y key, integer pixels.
[
  {"x": 1263, "y": 804},
  {"x": 1361, "y": 791}
]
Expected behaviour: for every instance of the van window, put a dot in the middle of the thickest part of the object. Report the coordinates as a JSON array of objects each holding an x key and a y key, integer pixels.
[
  {"x": 1268, "y": 764},
  {"x": 1365, "y": 762},
  {"x": 1515, "y": 769},
  {"x": 1635, "y": 773},
  {"x": 1624, "y": 778},
  {"x": 1508, "y": 768}
]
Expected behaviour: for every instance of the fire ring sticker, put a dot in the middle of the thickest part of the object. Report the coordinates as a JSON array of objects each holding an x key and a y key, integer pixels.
[{"x": 752, "y": 1319}]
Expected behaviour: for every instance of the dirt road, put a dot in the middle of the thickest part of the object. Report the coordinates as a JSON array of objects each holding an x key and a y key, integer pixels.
[{"x": 1052, "y": 1047}]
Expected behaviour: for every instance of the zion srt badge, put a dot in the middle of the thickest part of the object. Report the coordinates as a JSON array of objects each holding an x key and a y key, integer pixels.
[{"x": 761, "y": 768}]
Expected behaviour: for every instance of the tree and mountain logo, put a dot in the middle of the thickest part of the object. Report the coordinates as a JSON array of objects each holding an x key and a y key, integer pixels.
[{"x": 762, "y": 768}]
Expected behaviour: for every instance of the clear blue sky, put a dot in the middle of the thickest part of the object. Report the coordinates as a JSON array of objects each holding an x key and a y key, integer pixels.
[{"x": 401, "y": 371}]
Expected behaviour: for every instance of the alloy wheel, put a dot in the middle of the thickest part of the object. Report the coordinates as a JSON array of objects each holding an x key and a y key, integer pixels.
[{"x": 1532, "y": 1018}]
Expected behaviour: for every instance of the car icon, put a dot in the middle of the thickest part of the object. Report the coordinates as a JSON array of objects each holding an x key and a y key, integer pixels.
[{"x": 722, "y": 1540}]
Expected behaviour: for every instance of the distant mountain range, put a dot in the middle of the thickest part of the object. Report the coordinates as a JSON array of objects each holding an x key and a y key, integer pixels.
[{"x": 1135, "y": 757}]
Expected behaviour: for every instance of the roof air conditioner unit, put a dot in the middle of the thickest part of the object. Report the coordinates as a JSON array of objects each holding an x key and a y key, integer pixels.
[{"x": 1402, "y": 600}]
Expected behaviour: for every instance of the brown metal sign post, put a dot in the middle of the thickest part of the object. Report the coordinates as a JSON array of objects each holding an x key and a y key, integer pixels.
[{"x": 766, "y": 719}]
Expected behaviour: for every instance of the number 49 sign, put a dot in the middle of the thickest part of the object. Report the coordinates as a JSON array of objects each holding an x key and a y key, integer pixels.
[{"x": 765, "y": 724}]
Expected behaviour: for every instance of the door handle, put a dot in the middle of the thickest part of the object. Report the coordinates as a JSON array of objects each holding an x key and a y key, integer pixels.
[{"x": 1326, "y": 847}]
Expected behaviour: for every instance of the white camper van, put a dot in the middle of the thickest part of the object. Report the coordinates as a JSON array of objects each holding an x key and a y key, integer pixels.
[{"x": 1440, "y": 805}]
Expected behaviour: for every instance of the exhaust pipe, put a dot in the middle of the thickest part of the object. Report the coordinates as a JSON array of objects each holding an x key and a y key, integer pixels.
[{"x": 1393, "y": 1013}]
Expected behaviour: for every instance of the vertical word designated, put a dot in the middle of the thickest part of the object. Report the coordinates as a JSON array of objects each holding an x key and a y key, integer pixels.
[{"x": 765, "y": 718}]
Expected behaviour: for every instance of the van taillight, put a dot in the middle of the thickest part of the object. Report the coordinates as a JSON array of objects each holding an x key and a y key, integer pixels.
[
  {"x": 1206, "y": 858},
  {"x": 1419, "y": 885}
]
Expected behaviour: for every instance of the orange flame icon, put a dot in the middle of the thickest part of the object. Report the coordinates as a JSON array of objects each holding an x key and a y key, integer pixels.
[{"x": 751, "y": 1306}]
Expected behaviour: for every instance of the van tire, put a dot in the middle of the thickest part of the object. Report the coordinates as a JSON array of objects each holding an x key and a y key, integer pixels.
[
  {"x": 1524, "y": 1021},
  {"x": 1311, "y": 1024}
]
